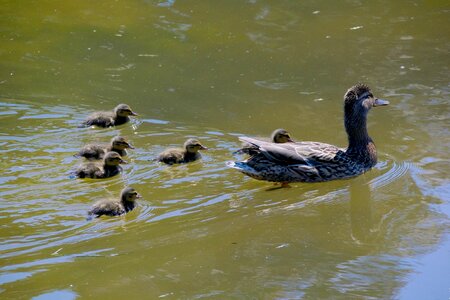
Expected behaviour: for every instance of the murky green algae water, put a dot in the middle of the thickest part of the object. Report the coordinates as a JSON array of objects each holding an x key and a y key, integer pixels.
[{"x": 217, "y": 70}]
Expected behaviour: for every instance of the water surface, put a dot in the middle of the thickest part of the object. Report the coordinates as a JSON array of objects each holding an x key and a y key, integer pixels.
[{"x": 216, "y": 71}]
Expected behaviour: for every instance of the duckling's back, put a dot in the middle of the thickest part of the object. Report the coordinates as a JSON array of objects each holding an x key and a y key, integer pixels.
[
  {"x": 100, "y": 118},
  {"x": 172, "y": 156},
  {"x": 106, "y": 207},
  {"x": 89, "y": 170}
]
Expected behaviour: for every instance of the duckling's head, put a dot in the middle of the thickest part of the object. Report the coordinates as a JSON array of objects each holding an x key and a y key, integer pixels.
[
  {"x": 124, "y": 110},
  {"x": 359, "y": 99},
  {"x": 281, "y": 136},
  {"x": 129, "y": 194},
  {"x": 193, "y": 145},
  {"x": 113, "y": 159},
  {"x": 120, "y": 143}
]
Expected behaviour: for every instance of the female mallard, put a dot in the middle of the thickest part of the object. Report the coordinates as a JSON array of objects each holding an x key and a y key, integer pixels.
[
  {"x": 182, "y": 155},
  {"x": 278, "y": 136},
  {"x": 98, "y": 151},
  {"x": 126, "y": 203},
  {"x": 314, "y": 161},
  {"x": 120, "y": 115},
  {"x": 107, "y": 168}
]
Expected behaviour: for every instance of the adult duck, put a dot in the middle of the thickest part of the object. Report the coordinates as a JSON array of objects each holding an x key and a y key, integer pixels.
[
  {"x": 126, "y": 203},
  {"x": 188, "y": 153},
  {"x": 315, "y": 161},
  {"x": 110, "y": 166},
  {"x": 120, "y": 115},
  {"x": 97, "y": 151}
]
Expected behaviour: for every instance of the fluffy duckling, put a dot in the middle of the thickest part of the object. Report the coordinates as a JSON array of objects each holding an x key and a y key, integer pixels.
[
  {"x": 126, "y": 203},
  {"x": 315, "y": 161},
  {"x": 278, "y": 136},
  {"x": 120, "y": 115},
  {"x": 98, "y": 151},
  {"x": 108, "y": 168},
  {"x": 182, "y": 155}
]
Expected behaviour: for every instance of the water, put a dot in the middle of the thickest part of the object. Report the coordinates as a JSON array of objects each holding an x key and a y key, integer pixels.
[{"x": 216, "y": 71}]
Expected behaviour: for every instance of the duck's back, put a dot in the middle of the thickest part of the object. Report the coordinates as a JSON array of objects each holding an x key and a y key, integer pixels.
[
  {"x": 301, "y": 162},
  {"x": 107, "y": 207},
  {"x": 172, "y": 156},
  {"x": 90, "y": 170},
  {"x": 101, "y": 119},
  {"x": 93, "y": 151}
]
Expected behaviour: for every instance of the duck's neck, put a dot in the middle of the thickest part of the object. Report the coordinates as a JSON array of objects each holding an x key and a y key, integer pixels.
[
  {"x": 188, "y": 156},
  {"x": 128, "y": 205},
  {"x": 110, "y": 170},
  {"x": 120, "y": 151},
  {"x": 360, "y": 145},
  {"x": 120, "y": 120}
]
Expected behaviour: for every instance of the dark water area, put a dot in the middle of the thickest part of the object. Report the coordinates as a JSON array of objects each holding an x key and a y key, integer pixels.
[{"x": 216, "y": 71}]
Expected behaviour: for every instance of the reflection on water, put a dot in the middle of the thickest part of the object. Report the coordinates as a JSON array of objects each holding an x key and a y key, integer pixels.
[
  {"x": 361, "y": 211},
  {"x": 202, "y": 230}
]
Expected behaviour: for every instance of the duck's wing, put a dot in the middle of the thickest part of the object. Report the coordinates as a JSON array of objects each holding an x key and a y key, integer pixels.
[
  {"x": 308, "y": 154},
  {"x": 92, "y": 151},
  {"x": 101, "y": 118},
  {"x": 105, "y": 207},
  {"x": 171, "y": 156}
]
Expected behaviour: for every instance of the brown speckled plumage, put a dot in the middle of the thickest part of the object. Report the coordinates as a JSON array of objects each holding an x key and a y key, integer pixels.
[
  {"x": 315, "y": 161},
  {"x": 120, "y": 115},
  {"x": 126, "y": 203},
  {"x": 108, "y": 167},
  {"x": 278, "y": 136},
  {"x": 188, "y": 153},
  {"x": 97, "y": 151}
]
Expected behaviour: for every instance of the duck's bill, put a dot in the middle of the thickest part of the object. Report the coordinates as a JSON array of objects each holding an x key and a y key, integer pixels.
[
  {"x": 203, "y": 148},
  {"x": 138, "y": 195},
  {"x": 290, "y": 140},
  {"x": 133, "y": 114},
  {"x": 380, "y": 102},
  {"x": 130, "y": 146},
  {"x": 123, "y": 161}
]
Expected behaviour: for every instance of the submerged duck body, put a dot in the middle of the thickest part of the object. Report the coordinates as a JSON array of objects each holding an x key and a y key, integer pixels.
[
  {"x": 120, "y": 115},
  {"x": 108, "y": 167},
  {"x": 315, "y": 161},
  {"x": 182, "y": 155},
  {"x": 126, "y": 203},
  {"x": 97, "y": 151}
]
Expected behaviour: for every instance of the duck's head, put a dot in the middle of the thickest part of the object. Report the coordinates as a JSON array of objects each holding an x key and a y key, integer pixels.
[
  {"x": 113, "y": 159},
  {"x": 120, "y": 143},
  {"x": 281, "y": 136},
  {"x": 124, "y": 110},
  {"x": 129, "y": 194},
  {"x": 193, "y": 145},
  {"x": 359, "y": 99}
]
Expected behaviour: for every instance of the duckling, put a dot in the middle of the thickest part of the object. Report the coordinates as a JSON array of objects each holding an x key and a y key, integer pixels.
[
  {"x": 109, "y": 167},
  {"x": 120, "y": 115},
  {"x": 98, "y": 151},
  {"x": 126, "y": 203},
  {"x": 188, "y": 153},
  {"x": 315, "y": 161},
  {"x": 278, "y": 136}
]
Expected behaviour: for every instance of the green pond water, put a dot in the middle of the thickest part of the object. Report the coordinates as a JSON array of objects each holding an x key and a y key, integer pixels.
[{"x": 216, "y": 70}]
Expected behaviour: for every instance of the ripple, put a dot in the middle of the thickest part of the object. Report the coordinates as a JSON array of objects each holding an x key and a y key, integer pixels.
[{"x": 395, "y": 170}]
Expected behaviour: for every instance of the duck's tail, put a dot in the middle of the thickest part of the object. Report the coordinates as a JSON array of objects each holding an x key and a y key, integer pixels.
[{"x": 242, "y": 167}]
